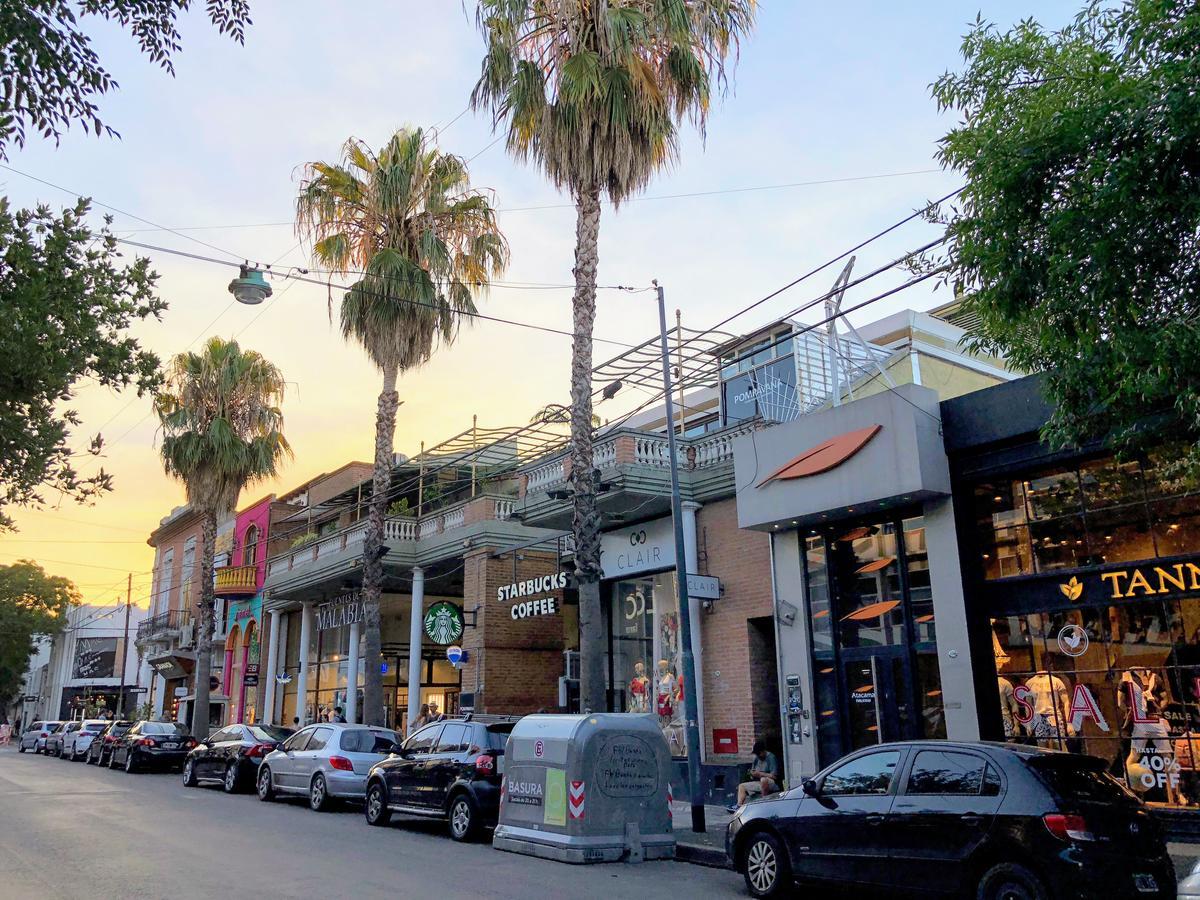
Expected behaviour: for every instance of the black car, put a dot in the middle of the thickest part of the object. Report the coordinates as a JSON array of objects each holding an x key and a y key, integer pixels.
[
  {"x": 157, "y": 745},
  {"x": 232, "y": 755},
  {"x": 999, "y": 820},
  {"x": 450, "y": 769},
  {"x": 100, "y": 750}
]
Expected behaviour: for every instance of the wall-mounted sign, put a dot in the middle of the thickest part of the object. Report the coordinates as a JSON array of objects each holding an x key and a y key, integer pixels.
[
  {"x": 444, "y": 623},
  {"x": 639, "y": 548},
  {"x": 456, "y": 655},
  {"x": 345, "y": 610},
  {"x": 532, "y": 587},
  {"x": 704, "y": 587},
  {"x": 250, "y": 681}
]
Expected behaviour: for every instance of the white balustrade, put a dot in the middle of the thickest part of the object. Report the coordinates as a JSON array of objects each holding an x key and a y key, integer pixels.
[
  {"x": 428, "y": 527},
  {"x": 331, "y": 544},
  {"x": 504, "y": 509},
  {"x": 650, "y": 450},
  {"x": 400, "y": 528},
  {"x": 454, "y": 518},
  {"x": 605, "y": 454},
  {"x": 545, "y": 475}
]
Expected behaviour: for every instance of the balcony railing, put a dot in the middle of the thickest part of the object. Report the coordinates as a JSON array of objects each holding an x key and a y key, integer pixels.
[
  {"x": 236, "y": 580},
  {"x": 395, "y": 529},
  {"x": 162, "y": 625}
]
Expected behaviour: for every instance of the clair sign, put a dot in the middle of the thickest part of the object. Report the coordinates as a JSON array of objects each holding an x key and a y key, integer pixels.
[{"x": 529, "y": 598}]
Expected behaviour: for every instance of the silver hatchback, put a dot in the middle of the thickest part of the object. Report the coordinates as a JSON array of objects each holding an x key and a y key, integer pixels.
[{"x": 326, "y": 762}]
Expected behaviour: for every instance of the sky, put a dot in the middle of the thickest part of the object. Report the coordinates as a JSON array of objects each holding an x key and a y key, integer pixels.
[{"x": 827, "y": 136}]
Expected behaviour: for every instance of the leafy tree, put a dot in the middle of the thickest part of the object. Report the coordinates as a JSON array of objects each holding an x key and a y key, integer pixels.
[
  {"x": 222, "y": 431},
  {"x": 593, "y": 91},
  {"x": 68, "y": 301},
  {"x": 50, "y": 75},
  {"x": 419, "y": 242},
  {"x": 1075, "y": 239},
  {"x": 32, "y": 604}
]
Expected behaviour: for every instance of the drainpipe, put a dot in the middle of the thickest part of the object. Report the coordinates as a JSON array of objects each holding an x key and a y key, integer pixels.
[
  {"x": 306, "y": 617},
  {"x": 352, "y": 676}
]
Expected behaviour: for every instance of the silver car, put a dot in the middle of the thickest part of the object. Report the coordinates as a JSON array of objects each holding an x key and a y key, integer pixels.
[
  {"x": 75, "y": 743},
  {"x": 327, "y": 761}
]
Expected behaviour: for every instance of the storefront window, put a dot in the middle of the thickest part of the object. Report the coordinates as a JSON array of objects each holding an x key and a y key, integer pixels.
[
  {"x": 825, "y": 682},
  {"x": 645, "y": 665}
]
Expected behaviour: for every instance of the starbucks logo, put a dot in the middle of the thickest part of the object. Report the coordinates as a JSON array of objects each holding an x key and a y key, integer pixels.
[{"x": 444, "y": 623}]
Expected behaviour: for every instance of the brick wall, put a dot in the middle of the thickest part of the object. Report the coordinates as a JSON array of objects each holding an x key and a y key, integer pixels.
[
  {"x": 517, "y": 662},
  {"x": 735, "y": 653}
]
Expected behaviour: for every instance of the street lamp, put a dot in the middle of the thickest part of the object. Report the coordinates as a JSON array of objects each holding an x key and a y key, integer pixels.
[
  {"x": 690, "y": 694},
  {"x": 250, "y": 287}
]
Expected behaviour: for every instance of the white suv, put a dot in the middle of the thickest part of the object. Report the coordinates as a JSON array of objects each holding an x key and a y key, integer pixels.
[{"x": 75, "y": 744}]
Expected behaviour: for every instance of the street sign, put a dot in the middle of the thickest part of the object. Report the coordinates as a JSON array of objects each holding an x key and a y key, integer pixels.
[{"x": 704, "y": 587}]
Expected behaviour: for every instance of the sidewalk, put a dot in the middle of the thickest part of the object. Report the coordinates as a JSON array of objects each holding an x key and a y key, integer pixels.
[{"x": 708, "y": 848}]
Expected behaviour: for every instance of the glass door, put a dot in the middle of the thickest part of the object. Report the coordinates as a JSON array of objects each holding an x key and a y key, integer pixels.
[{"x": 878, "y": 705}]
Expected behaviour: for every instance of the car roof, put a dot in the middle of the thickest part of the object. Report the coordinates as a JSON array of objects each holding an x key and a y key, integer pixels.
[{"x": 994, "y": 746}]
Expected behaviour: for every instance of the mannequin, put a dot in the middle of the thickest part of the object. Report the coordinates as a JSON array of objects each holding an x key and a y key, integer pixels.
[
  {"x": 639, "y": 689},
  {"x": 666, "y": 692},
  {"x": 1052, "y": 703},
  {"x": 1142, "y": 684},
  {"x": 1008, "y": 709}
]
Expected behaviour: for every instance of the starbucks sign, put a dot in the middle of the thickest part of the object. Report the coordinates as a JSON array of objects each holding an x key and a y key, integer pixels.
[{"x": 444, "y": 623}]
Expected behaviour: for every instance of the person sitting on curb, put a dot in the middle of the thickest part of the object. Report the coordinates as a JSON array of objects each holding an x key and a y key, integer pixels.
[{"x": 764, "y": 776}]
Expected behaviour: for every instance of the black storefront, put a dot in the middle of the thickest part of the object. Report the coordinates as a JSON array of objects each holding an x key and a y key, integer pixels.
[{"x": 1082, "y": 578}]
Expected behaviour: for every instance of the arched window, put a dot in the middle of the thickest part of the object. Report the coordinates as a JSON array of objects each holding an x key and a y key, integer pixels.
[{"x": 250, "y": 550}]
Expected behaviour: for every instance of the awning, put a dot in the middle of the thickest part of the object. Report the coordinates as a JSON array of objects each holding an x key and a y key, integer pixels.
[
  {"x": 212, "y": 698},
  {"x": 176, "y": 664}
]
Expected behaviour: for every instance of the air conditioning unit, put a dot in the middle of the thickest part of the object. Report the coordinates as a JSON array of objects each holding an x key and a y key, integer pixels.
[
  {"x": 187, "y": 634},
  {"x": 571, "y": 664}
]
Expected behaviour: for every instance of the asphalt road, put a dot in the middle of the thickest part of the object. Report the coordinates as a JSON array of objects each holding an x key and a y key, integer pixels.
[{"x": 71, "y": 830}]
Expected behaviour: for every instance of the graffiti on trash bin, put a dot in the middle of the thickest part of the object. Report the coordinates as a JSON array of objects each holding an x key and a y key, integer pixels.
[{"x": 627, "y": 766}]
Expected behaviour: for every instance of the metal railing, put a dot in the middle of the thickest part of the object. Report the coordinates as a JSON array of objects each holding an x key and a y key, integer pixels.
[
  {"x": 162, "y": 624},
  {"x": 236, "y": 580}
]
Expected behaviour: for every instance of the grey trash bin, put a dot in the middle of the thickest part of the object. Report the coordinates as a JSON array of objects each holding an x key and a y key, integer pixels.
[{"x": 584, "y": 789}]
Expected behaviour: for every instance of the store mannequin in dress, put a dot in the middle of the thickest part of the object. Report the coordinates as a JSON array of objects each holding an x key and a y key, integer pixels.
[
  {"x": 1052, "y": 706},
  {"x": 639, "y": 689},
  {"x": 665, "y": 706},
  {"x": 1141, "y": 684}
]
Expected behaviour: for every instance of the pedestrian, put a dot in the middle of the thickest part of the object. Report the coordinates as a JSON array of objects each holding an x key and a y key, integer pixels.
[
  {"x": 5, "y": 731},
  {"x": 764, "y": 776},
  {"x": 421, "y": 720},
  {"x": 434, "y": 715},
  {"x": 337, "y": 715}
]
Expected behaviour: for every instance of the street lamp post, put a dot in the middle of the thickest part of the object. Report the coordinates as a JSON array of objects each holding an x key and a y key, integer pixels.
[{"x": 690, "y": 709}]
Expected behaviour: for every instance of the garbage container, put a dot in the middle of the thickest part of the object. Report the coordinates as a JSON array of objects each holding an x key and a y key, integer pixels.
[{"x": 587, "y": 788}]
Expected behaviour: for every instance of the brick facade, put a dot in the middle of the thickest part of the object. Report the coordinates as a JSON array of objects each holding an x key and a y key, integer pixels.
[
  {"x": 515, "y": 663},
  {"x": 738, "y": 654}
]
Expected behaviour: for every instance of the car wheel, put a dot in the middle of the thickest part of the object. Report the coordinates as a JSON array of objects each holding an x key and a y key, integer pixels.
[
  {"x": 130, "y": 763},
  {"x": 189, "y": 774},
  {"x": 376, "y": 806},
  {"x": 318, "y": 794},
  {"x": 767, "y": 871},
  {"x": 266, "y": 790},
  {"x": 231, "y": 779},
  {"x": 20, "y": 748},
  {"x": 1010, "y": 881},
  {"x": 464, "y": 820}
]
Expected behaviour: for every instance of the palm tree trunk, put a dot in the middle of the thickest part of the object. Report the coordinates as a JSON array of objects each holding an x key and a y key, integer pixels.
[
  {"x": 585, "y": 519},
  {"x": 204, "y": 627},
  {"x": 385, "y": 430}
]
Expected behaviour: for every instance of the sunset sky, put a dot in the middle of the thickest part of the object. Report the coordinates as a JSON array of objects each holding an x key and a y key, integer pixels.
[{"x": 822, "y": 92}]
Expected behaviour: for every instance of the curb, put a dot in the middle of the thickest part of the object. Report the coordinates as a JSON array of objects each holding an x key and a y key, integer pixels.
[{"x": 701, "y": 855}]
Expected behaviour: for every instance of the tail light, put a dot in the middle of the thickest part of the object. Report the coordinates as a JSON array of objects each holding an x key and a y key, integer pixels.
[
  {"x": 485, "y": 764},
  {"x": 341, "y": 763},
  {"x": 45, "y": 734},
  {"x": 190, "y": 743},
  {"x": 258, "y": 751},
  {"x": 1068, "y": 828},
  {"x": 146, "y": 742},
  {"x": 109, "y": 739}
]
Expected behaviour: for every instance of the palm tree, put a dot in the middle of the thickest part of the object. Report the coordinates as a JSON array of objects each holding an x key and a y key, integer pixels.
[
  {"x": 420, "y": 242},
  {"x": 592, "y": 91},
  {"x": 222, "y": 431}
]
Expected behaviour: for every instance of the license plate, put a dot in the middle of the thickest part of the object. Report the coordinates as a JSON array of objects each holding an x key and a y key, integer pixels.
[
  {"x": 170, "y": 746},
  {"x": 1145, "y": 883}
]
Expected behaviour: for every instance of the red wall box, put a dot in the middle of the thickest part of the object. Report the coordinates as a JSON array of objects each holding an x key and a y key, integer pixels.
[{"x": 725, "y": 740}]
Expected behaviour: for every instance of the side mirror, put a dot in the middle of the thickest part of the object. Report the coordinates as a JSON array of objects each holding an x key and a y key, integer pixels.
[{"x": 809, "y": 786}]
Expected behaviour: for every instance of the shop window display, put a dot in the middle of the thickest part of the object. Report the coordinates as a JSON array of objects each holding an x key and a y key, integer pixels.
[
  {"x": 1120, "y": 682},
  {"x": 645, "y": 663}
]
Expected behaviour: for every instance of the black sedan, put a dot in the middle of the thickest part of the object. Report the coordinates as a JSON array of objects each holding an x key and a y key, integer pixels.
[
  {"x": 999, "y": 820},
  {"x": 151, "y": 745},
  {"x": 100, "y": 750},
  {"x": 232, "y": 755}
]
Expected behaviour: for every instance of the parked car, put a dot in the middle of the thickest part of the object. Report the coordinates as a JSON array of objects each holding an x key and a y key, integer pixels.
[
  {"x": 326, "y": 761},
  {"x": 1004, "y": 820},
  {"x": 451, "y": 769},
  {"x": 100, "y": 749},
  {"x": 33, "y": 737},
  {"x": 158, "y": 745},
  {"x": 44, "y": 734},
  {"x": 76, "y": 741},
  {"x": 54, "y": 743},
  {"x": 232, "y": 755}
]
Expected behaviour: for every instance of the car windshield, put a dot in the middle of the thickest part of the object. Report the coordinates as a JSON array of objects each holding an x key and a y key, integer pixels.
[
  {"x": 55, "y": 727},
  {"x": 120, "y": 728},
  {"x": 1080, "y": 778},
  {"x": 362, "y": 740},
  {"x": 498, "y": 736},
  {"x": 269, "y": 733},
  {"x": 163, "y": 728}
]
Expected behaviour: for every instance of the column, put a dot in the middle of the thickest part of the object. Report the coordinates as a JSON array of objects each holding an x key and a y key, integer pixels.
[
  {"x": 352, "y": 675},
  {"x": 414, "y": 643},
  {"x": 160, "y": 690},
  {"x": 306, "y": 618},
  {"x": 695, "y": 611},
  {"x": 268, "y": 678}
]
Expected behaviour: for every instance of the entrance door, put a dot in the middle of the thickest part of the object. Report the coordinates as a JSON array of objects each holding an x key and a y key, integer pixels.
[{"x": 878, "y": 697}]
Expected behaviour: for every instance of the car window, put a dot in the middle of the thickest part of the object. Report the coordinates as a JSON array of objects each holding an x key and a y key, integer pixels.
[
  {"x": 269, "y": 733},
  {"x": 225, "y": 734},
  {"x": 36, "y": 726},
  {"x": 161, "y": 728},
  {"x": 453, "y": 739},
  {"x": 870, "y": 774},
  {"x": 424, "y": 740},
  {"x": 55, "y": 728},
  {"x": 1079, "y": 778},
  {"x": 943, "y": 772},
  {"x": 364, "y": 740},
  {"x": 320, "y": 737},
  {"x": 991, "y": 782},
  {"x": 74, "y": 726},
  {"x": 298, "y": 740},
  {"x": 497, "y": 736}
]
